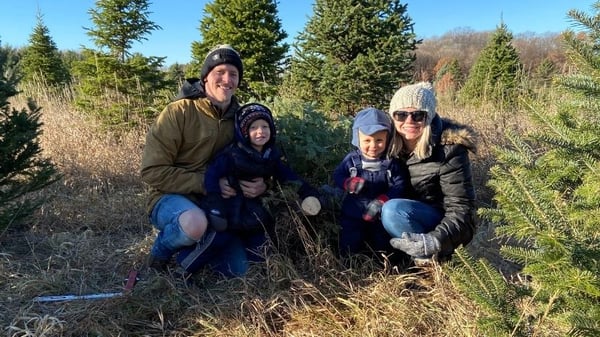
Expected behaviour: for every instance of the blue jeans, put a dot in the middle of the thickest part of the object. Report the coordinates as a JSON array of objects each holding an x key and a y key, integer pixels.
[
  {"x": 410, "y": 216},
  {"x": 225, "y": 252},
  {"x": 165, "y": 217}
]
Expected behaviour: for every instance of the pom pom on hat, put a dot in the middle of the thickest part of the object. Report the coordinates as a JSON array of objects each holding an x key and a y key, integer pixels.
[
  {"x": 222, "y": 54},
  {"x": 419, "y": 96}
]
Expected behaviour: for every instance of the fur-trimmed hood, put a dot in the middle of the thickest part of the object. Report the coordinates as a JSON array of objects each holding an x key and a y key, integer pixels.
[
  {"x": 455, "y": 133},
  {"x": 446, "y": 131}
]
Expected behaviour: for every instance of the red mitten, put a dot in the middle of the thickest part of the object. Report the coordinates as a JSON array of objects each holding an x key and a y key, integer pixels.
[
  {"x": 354, "y": 185},
  {"x": 374, "y": 208}
]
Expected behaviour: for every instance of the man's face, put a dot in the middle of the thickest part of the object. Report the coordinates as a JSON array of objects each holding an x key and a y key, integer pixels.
[{"x": 221, "y": 83}]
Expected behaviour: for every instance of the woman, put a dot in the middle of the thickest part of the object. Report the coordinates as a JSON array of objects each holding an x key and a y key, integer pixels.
[{"x": 439, "y": 214}]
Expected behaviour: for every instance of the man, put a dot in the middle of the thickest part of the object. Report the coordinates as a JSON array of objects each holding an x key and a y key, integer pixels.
[{"x": 179, "y": 146}]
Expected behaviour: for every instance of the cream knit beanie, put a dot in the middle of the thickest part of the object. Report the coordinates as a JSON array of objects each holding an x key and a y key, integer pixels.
[{"x": 419, "y": 96}]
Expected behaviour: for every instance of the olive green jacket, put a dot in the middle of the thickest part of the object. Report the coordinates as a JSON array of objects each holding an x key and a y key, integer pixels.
[{"x": 180, "y": 144}]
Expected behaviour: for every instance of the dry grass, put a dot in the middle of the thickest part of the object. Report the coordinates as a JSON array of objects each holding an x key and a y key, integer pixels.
[{"x": 93, "y": 230}]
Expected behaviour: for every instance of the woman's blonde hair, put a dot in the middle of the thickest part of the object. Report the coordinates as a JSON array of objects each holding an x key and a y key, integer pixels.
[
  {"x": 419, "y": 96},
  {"x": 421, "y": 151}
]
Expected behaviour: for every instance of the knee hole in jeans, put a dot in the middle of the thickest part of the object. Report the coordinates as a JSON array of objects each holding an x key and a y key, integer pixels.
[{"x": 193, "y": 223}]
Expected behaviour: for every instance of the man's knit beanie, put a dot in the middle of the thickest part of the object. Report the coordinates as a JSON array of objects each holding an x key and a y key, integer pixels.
[
  {"x": 222, "y": 54},
  {"x": 419, "y": 96}
]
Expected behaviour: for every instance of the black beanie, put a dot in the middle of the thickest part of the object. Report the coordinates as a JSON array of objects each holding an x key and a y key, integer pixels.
[{"x": 222, "y": 54}]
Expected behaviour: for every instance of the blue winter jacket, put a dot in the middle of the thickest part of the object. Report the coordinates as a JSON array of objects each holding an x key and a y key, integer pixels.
[{"x": 390, "y": 179}]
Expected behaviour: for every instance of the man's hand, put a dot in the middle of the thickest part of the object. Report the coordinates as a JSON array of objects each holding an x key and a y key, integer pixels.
[
  {"x": 253, "y": 188},
  {"x": 226, "y": 190},
  {"x": 416, "y": 244}
]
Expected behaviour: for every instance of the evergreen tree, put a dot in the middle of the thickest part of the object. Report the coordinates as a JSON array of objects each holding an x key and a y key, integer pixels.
[
  {"x": 254, "y": 30},
  {"x": 496, "y": 297},
  {"x": 353, "y": 54},
  {"x": 543, "y": 73},
  {"x": 448, "y": 76},
  {"x": 22, "y": 170},
  {"x": 120, "y": 94},
  {"x": 175, "y": 74},
  {"x": 547, "y": 189},
  {"x": 41, "y": 59},
  {"x": 119, "y": 23},
  {"x": 10, "y": 58},
  {"x": 69, "y": 58},
  {"x": 495, "y": 76},
  {"x": 117, "y": 85}
]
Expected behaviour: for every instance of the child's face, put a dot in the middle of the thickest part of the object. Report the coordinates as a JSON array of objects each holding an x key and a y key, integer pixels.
[
  {"x": 259, "y": 133},
  {"x": 372, "y": 146}
]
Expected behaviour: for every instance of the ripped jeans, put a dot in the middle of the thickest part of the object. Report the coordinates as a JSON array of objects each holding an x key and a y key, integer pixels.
[
  {"x": 165, "y": 217},
  {"x": 225, "y": 252}
]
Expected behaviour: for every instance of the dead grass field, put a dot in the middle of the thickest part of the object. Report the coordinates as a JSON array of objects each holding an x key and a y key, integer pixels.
[{"x": 93, "y": 230}]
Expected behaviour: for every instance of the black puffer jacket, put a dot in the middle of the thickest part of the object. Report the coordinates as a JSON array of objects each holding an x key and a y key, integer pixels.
[{"x": 444, "y": 180}]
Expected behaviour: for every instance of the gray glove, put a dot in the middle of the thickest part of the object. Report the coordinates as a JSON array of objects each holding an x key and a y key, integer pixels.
[{"x": 417, "y": 244}]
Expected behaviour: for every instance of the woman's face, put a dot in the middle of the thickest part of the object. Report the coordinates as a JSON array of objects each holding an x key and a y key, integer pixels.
[{"x": 409, "y": 123}]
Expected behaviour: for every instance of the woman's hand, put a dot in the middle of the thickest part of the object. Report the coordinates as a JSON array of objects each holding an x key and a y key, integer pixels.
[{"x": 417, "y": 244}]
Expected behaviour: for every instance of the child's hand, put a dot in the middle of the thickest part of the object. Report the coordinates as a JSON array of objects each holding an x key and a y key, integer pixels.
[
  {"x": 354, "y": 185},
  {"x": 374, "y": 208}
]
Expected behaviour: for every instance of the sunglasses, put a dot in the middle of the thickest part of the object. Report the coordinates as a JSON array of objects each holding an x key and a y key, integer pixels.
[{"x": 417, "y": 116}]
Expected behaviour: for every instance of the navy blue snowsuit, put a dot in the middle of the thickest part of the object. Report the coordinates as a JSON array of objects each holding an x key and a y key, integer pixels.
[{"x": 383, "y": 178}]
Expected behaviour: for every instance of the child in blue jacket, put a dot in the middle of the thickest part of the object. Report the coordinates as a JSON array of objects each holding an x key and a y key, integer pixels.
[
  {"x": 253, "y": 154},
  {"x": 369, "y": 178}
]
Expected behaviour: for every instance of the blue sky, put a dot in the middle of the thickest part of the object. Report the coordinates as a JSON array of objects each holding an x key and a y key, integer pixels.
[{"x": 180, "y": 20}]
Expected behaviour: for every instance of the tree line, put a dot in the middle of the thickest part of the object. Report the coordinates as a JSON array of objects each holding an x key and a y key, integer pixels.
[{"x": 348, "y": 56}]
